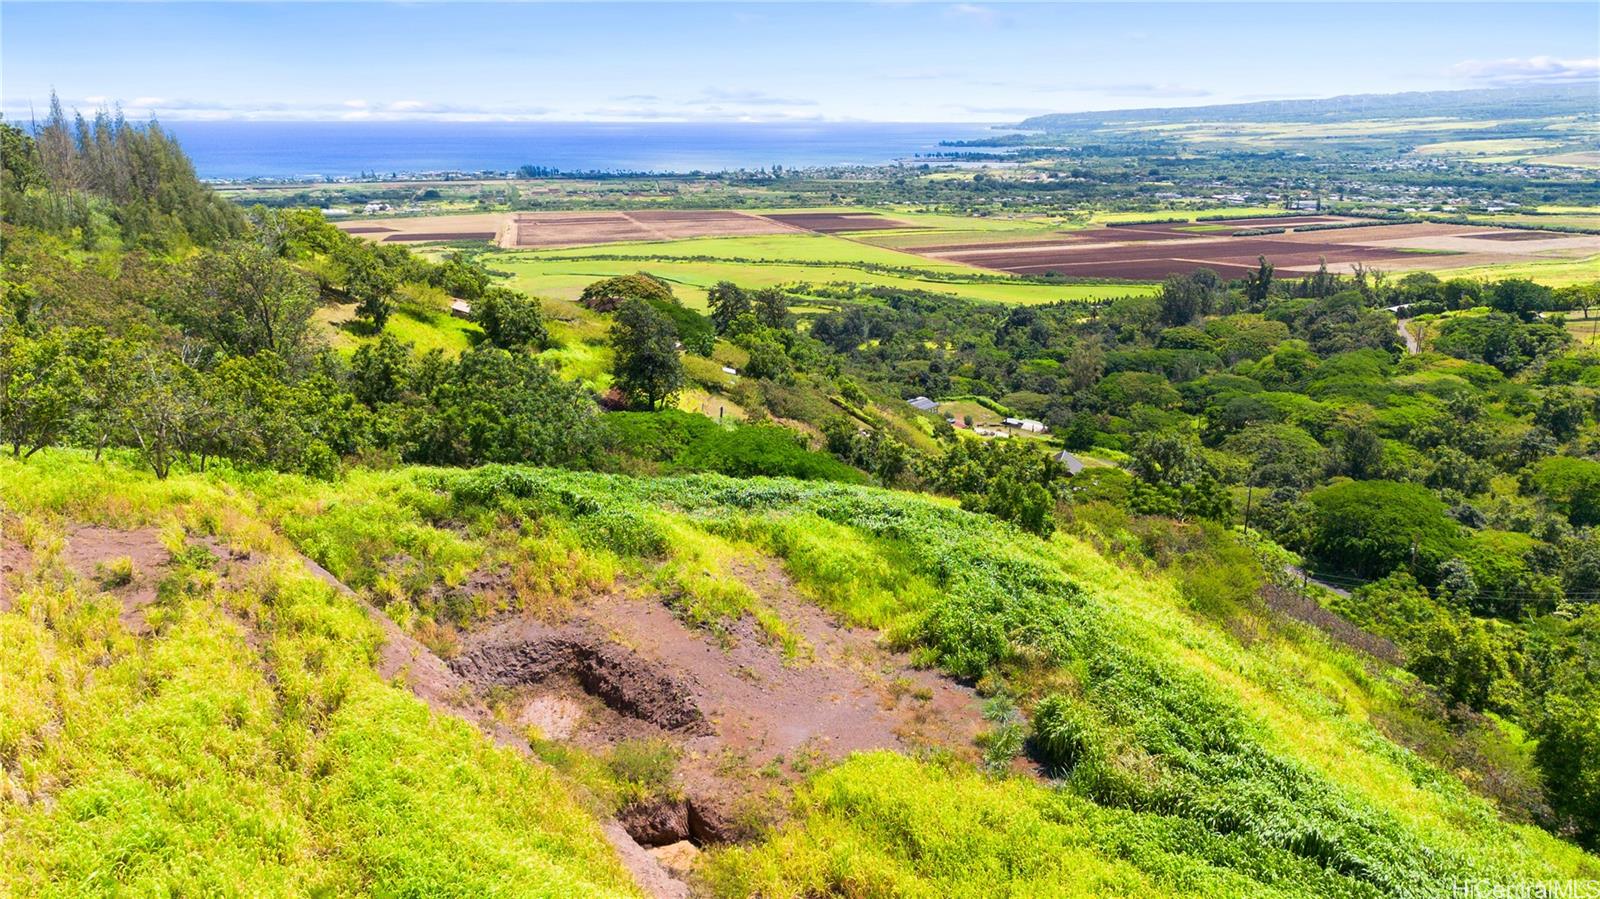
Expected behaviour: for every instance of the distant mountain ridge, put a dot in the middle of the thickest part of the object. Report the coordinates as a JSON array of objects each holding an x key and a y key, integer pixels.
[{"x": 1573, "y": 99}]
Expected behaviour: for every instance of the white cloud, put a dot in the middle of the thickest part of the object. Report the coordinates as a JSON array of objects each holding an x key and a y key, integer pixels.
[
  {"x": 1534, "y": 70},
  {"x": 356, "y": 104},
  {"x": 1147, "y": 89},
  {"x": 983, "y": 15}
]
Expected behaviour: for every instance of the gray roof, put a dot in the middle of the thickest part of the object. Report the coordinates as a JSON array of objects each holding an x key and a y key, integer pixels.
[
  {"x": 924, "y": 404},
  {"x": 1073, "y": 463}
]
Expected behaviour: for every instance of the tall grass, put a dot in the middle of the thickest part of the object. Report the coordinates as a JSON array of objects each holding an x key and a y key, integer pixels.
[{"x": 246, "y": 746}]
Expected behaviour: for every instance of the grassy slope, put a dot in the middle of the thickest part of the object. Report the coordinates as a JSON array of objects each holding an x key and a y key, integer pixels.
[
  {"x": 247, "y": 747},
  {"x": 1319, "y": 802}
]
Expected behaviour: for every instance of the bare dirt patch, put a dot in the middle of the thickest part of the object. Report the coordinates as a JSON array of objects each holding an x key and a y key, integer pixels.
[
  {"x": 745, "y": 716},
  {"x": 837, "y": 222},
  {"x": 426, "y": 236},
  {"x": 125, "y": 563},
  {"x": 553, "y": 230},
  {"x": 487, "y": 226},
  {"x": 1515, "y": 235}
]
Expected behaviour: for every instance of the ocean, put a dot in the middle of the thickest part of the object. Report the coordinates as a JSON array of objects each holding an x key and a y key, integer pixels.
[{"x": 239, "y": 150}]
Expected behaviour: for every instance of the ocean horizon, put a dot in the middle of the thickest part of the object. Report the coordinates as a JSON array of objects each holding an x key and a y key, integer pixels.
[{"x": 296, "y": 150}]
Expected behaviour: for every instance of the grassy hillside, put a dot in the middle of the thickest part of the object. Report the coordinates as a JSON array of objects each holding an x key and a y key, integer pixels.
[
  {"x": 247, "y": 732},
  {"x": 245, "y": 744}
]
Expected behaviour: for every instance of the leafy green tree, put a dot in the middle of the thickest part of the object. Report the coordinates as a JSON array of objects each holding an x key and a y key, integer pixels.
[
  {"x": 1371, "y": 528},
  {"x": 490, "y": 405},
  {"x": 727, "y": 302},
  {"x": 1258, "y": 284},
  {"x": 768, "y": 359},
  {"x": 163, "y": 409},
  {"x": 1175, "y": 479},
  {"x": 370, "y": 283},
  {"x": 647, "y": 367},
  {"x": 380, "y": 372},
  {"x": 41, "y": 389},
  {"x": 612, "y": 293},
  {"x": 1571, "y": 485},
  {"x": 1520, "y": 297},
  {"x": 1561, "y": 412},
  {"x": 243, "y": 299},
  {"x": 1568, "y": 755},
  {"x": 509, "y": 319},
  {"x": 771, "y": 308}
]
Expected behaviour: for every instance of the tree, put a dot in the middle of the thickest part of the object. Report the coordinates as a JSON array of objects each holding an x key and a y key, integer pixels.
[
  {"x": 771, "y": 307},
  {"x": 1370, "y": 528},
  {"x": 243, "y": 299},
  {"x": 1520, "y": 297},
  {"x": 369, "y": 282},
  {"x": 768, "y": 360},
  {"x": 610, "y": 294},
  {"x": 1258, "y": 284},
  {"x": 164, "y": 404},
  {"x": 41, "y": 387},
  {"x": 509, "y": 319},
  {"x": 1561, "y": 412},
  {"x": 1175, "y": 479},
  {"x": 489, "y": 405},
  {"x": 727, "y": 301},
  {"x": 647, "y": 367},
  {"x": 379, "y": 371}
]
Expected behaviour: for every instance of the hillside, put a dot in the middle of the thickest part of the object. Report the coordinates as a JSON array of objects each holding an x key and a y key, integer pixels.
[
  {"x": 193, "y": 707},
  {"x": 1520, "y": 102},
  {"x": 331, "y": 566}
]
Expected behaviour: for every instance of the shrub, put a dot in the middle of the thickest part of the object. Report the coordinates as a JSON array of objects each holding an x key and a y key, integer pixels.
[{"x": 1062, "y": 733}]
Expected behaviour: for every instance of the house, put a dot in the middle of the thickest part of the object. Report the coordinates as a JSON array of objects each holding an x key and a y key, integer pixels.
[
  {"x": 923, "y": 404},
  {"x": 461, "y": 309},
  {"x": 1072, "y": 463}
]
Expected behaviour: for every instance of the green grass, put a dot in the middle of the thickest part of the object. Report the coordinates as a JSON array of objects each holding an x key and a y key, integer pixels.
[
  {"x": 1216, "y": 765},
  {"x": 424, "y": 328},
  {"x": 246, "y": 746},
  {"x": 1551, "y": 273},
  {"x": 565, "y": 279}
]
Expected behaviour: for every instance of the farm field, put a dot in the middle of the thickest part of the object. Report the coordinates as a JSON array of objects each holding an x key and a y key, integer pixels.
[
  {"x": 557, "y": 253},
  {"x": 1158, "y": 250}
]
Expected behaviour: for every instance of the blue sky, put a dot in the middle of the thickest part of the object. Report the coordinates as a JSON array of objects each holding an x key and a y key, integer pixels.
[{"x": 893, "y": 61}]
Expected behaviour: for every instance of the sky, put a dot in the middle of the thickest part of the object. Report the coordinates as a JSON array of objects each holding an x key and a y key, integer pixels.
[{"x": 885, "y": 61}]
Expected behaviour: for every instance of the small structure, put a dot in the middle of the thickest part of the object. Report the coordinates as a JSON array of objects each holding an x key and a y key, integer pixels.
[
  {"x": 923, "y": 404},
  {"x": 461, "y": 309},
  {"x": 1026, "y": 424},
  {"x": 729, "y": 370},
  {"x": 1072, "y": 463}
]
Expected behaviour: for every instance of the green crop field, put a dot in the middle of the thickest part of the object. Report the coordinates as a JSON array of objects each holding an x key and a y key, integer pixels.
[{"x": 781, "y": 260}]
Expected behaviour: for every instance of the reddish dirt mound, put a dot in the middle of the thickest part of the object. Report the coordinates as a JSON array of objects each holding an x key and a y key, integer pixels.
[{"x": 836, "y": 222}]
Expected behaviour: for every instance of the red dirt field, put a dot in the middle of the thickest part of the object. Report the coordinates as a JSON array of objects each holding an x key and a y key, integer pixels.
[
  {"x": 1147, "y": 260},
  {"x": 438, "y": 235},
  {"x": 549, "y": 230},
  {"x": 1517, "y": 235},
  {"x": 368, "y": 229},
  {"x": 836, "y": 222}
]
